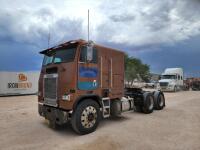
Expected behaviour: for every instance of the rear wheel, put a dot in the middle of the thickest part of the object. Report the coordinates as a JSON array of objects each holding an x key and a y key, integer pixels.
[
  {"x": 85, "y": 118},
  {"x": 138, "y": 108},
  {"x": 148, "y": 103},
  {"x": 159, "y": 100}
]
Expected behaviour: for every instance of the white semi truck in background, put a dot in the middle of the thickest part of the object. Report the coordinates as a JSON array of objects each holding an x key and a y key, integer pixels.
[{"x": 171, "y": 79}]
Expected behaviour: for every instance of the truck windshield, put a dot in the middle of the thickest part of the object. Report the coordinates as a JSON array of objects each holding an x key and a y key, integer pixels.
[
  {"x": 168, "y": 77},
  {"x": 59, "y": 56}
]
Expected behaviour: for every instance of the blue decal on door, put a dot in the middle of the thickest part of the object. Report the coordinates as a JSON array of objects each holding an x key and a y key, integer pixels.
[
  {"x": 87, "y": 85},
  {"x": 91, "y": 72}
]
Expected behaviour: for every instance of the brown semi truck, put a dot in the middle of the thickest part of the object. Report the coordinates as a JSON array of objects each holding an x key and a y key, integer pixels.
[{"x": 83, "y": 82}]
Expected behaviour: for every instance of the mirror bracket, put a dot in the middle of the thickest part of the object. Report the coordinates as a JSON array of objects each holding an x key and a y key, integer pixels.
[{"x": 90, "y": 46}]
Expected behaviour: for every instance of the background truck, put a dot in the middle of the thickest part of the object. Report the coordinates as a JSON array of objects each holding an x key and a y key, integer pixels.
[
  {"x": 82, "y": 82},
  {"x": 192, "y": 84},
  {"x": 171, "y": 79}
]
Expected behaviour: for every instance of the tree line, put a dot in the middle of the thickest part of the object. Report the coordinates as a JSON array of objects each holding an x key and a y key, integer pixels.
[{"x": 135, "y": 69}]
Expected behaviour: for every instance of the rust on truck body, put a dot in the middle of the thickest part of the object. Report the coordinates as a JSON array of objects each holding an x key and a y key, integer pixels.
[
  {"x": 106, "y": 75},
  {"x": 81, "y": 82}
]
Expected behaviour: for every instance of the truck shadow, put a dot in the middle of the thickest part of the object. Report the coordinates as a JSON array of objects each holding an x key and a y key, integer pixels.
[
  {"x": 67, "y": 130},
  {"x": 112, "y": 120}
]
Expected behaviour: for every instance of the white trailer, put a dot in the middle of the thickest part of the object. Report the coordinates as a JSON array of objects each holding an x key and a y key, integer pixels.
[
  {"x": 172, "y": 79},
  {"x": 18, "y": 83}
]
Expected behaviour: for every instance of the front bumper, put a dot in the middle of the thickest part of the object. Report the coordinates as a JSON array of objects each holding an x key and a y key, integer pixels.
[
  {"x": 53, "y": 114},
  {"x": 167, "y": 88}
]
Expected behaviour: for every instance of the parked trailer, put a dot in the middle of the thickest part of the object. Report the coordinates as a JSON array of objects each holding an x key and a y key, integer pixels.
[
  {"x": 193, "y": 83},
  {"x": 82, "y": 82},
  {"x": 18, "y": 83}
]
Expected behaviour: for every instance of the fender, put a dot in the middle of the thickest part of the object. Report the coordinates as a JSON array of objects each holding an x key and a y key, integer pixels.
[{"x": 95, "y": 97}]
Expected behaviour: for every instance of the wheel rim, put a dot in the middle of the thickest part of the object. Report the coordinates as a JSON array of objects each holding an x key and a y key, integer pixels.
[
  {"x": 150, "y": 102},
  {"x": 161, "y": 102},
  {"x": 88, "y": 117}
]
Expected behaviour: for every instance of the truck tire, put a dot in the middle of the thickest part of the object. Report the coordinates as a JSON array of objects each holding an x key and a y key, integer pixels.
[
  {"x": 86, "y": 117},
  {"x": 148, "y": 103},
  {"x": 175, "y": 89},
  {"x": 159, "y": 100}
]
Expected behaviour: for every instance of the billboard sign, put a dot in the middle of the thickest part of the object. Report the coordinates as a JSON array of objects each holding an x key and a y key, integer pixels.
[{"x": 16, "y": 83}]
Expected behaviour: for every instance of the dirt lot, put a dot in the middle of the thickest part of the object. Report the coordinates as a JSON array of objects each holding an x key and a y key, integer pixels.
[{"x": 176, "y": 127}]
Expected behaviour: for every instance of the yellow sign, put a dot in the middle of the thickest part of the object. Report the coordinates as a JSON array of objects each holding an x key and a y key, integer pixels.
[{"x": 22, "y": 77}]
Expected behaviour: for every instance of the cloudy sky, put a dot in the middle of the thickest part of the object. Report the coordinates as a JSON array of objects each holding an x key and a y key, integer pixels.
[{"x": 163, "y": 33}]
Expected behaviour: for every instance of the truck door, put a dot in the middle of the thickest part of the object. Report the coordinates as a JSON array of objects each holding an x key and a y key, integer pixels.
[
  {"x": 87, "y": 71},
  {"x": 104, "y": 72},
  {"x": 180, "y": 80}
]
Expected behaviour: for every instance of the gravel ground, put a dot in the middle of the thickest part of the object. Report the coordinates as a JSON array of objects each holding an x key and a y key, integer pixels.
[{"x": 176, "y": 127}]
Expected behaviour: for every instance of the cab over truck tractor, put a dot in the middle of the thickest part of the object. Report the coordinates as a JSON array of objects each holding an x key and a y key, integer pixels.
[{"x": 82, "y": 82}]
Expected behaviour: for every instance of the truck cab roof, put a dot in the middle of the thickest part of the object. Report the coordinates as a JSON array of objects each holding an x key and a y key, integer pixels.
[{"x": 72, "y": 43}]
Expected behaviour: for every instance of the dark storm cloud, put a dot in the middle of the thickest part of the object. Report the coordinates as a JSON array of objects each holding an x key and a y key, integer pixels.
[
  {"x": 19, "y": 57},
  {"x": 189, "y": 9},
  {"x": 141, "y": 22},
  {"x": 18, "y": 27},
  {"x": 134, "y": 23},
  {"x": 33, "y": 27},
  {"x": 66, "y": 29},
  {"x": 44, "y": 13},
  {"x": 185, "y": 54},
  {"x": 158, "y": 17},
  {"x": 143, "y": 28},
  {"x": 24, "y": 33},
  {"x": 122, "y": 18}
]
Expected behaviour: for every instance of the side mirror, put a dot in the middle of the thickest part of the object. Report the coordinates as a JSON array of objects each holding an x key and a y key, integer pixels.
[{"x": 90, "y": 52}]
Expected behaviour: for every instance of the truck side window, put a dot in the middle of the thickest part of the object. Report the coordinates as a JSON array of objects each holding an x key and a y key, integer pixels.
[
  {"x": 178, "y": 77},
  {"x": 83, "y": 55}
]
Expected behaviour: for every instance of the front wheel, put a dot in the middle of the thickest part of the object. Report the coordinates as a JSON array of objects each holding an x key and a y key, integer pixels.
[
  {"x": 85, "y": 118},
  {"x": 175, "y": 89}
]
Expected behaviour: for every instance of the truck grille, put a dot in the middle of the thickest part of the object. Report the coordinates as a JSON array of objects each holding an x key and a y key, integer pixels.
[
  {"x": 163, "y": 83},
  {"x": 50, "y": 89}
]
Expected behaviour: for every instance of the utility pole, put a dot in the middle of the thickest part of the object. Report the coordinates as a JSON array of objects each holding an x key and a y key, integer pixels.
[
  {"x": 49, "y": 37},
  {"x": 88, "y": 25}
]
